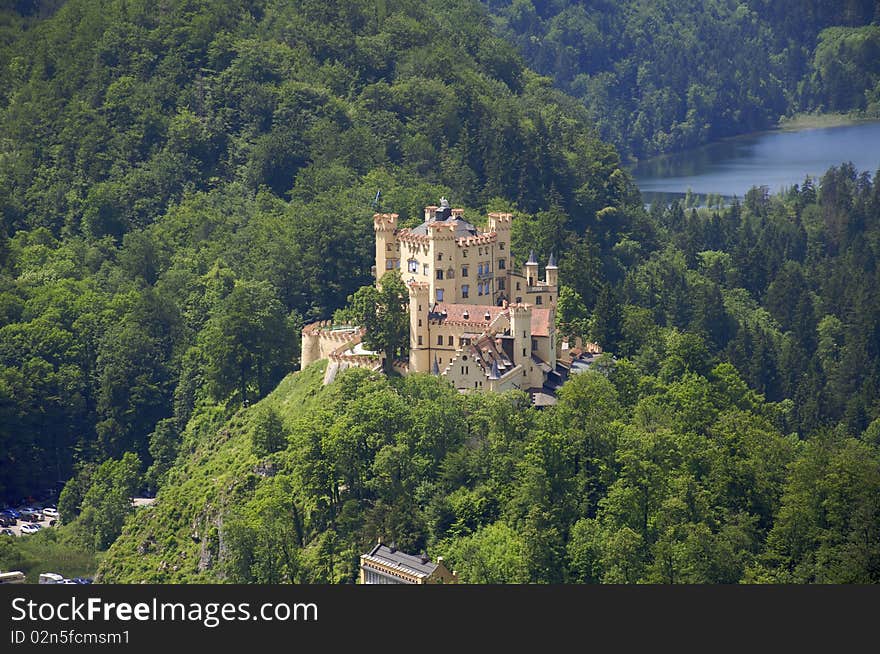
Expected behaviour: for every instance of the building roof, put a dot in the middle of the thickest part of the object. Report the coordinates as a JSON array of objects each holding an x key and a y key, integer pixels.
[
  {"x": 490, "y": 356},
  {"x": 551, "y": 262},
  {"x": 475, "y": 313},
  {"x": 414, "y": 564},
  {"x": 462, "y": 228},
  {"x": 532, "y": 259},
  {"x": 540, "y": 321}
]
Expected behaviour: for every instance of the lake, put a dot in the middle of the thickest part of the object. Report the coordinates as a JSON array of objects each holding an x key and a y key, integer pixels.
[{"x": 777, "y": 159}]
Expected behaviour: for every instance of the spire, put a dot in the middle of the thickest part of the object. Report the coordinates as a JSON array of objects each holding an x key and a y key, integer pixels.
[
  {"x": 551, "y": 263},
  {"x": 531, "y": 258},
  {"x": 435, "y": 369}
]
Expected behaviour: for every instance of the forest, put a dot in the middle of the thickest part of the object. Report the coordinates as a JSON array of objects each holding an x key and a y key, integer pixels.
[
  {"x": 672, "y": 74},
  {"x": 181, "y": 190}
]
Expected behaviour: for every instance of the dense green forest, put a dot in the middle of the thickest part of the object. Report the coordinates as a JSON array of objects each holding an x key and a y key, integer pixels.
[
  {"x": 671, "y": 74},
  {"x": 181, "y": 190}
]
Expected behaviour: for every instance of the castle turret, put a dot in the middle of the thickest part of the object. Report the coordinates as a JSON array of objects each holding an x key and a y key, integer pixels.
[
  {"x": 530, "y": 270},
  {"x": 387, "y": 248},
  {"x": 551, "y": 271},
  {"x": 419, "y": 343}
]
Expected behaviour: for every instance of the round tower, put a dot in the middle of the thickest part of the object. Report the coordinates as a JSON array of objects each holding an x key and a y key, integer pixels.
[
  {"x": 530, "y": 270},
  {"x": 551, "y": 271}
]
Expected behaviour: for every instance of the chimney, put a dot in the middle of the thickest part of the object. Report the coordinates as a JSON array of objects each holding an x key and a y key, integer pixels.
[{"x": 466, "y": 315}]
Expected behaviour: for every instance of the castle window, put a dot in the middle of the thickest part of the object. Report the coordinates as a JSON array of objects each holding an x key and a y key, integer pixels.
[
  {"x": 420, "y": 340},
  {"x": 517, "y": 288},
  {"x": 420, "y": 322},
  {"x": 450, "y": 274},
  {"x": 425, "y": 269},
  {"x": 524, "y": 353},
  {"x": 389, "y": 264},
  {"x": 439, "y": 256},
  {"x": 501, "y": 264},
  {"x": 412, "y": 266},
  {"x": 538, "y": 300},
  {"x": 465, "y": 289},
  {"x": 481, "y": 252},
  {"x": 479, "y": 269},
  {"x": 519, "y": 300},
  {"x": 388, "y": 247},
  {"x": 464, "y": 253},
  {"x": 439, "y": 294},
  {"x": 451, "y": 342},
  {"x": 501, "y": 284},
  {"x": 439, "y": 339},
  {"x": 464, "y": 271},
  {"x": 534, "y": 344},
  {"x": 439, "y": 274},
  {"x": 479, "y": 288},
  {"x": 501, "y": 245}
]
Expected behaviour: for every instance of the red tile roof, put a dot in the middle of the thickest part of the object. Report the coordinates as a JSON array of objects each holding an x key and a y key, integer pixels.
[
  {"x": 476, "y": 313},
  {"x": 540, "y": 322},
  {"x": 477, "y": 316}
]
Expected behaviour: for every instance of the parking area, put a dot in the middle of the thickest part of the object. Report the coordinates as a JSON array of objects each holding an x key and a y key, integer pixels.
[{"x": 46, "y": 522}]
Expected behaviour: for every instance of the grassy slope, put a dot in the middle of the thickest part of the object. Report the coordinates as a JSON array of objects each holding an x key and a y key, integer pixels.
[{"x": 167, "y": 542}]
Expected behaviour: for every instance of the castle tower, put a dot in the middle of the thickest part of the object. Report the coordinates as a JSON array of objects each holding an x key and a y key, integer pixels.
[
  {"x": 530, "y": 270},
  {"x": 551, "y": 272},
  {"x": 500, "y": 224},
  {"x": 521, "y": 330},
  {"x": 310, "y": 350},
  {"x": 387, "y": 252},
  {"x": 419, "y": 342}
]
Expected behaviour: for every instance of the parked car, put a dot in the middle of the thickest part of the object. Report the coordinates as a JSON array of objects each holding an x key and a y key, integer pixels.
[
  {"x": 31, "y": 516},
  {"x": 7, "y": 532},
  {"x": 30, "y": 528},
  {"x": 50, "y": 512},
  {"x": 51, "y": 578},
  {"x": 83, "y": 580},
  {"x": 7, "y": 520},
  {"x": 15, "y": 513}
]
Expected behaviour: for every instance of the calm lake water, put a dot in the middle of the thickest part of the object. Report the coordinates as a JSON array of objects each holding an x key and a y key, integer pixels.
[{"x": 774, "y": 159}]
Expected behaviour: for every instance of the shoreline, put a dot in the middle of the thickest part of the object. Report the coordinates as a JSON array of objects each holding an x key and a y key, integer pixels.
[
  {"x": 802, "y": 121},
  {"x": 796, "y": 123}
]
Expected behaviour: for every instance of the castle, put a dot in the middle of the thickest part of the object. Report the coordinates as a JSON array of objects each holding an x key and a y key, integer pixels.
[{"x": 474, "y": 319}]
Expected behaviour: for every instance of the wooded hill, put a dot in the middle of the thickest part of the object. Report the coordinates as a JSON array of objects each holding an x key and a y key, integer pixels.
[
  {"x": 180, "y": 190},
  {"x": 666, "y": 75}
]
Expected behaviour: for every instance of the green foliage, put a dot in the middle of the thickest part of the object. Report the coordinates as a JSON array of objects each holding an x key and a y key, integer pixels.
[
  {"x": 108, "y": 501},
  {"x": 180, "y": 189},
  {"x": 267, "y": 433},
  {"x": 384, "y": 313},
  {"x": 49, "y": 550},
  {"x": 670, "y": 75}
]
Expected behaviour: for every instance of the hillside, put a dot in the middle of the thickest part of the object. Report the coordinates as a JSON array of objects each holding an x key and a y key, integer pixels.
[
  {"x": 180, "y": 189},
  {"x": 682, "y": 477},
  {"x": 669, "y": 75}
]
